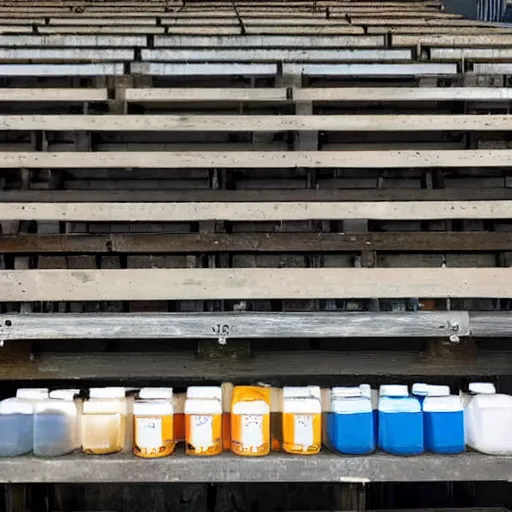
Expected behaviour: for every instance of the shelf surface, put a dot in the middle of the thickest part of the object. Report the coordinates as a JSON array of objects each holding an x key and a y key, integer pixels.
[{"x": 325, "y": 467}]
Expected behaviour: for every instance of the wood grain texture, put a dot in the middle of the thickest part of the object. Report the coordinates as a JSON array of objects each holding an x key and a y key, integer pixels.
[
  {"x": 273, "y": 367},
  {"x": 253, "y": 283},
  {"x": 258, "y": 123},
  {"x": 264, "y": 211},
  {"x": 258, "y": 159},
  {"x": 406, "y": 94},
  {"x": 189, "y": 243},
  {"x": 325, "y": 467},
  {"x": 53, "y": 94},
  {"x": 239, "y": 325}
]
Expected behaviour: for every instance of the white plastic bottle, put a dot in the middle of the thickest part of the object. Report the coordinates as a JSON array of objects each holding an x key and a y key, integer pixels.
[
  {"x": 104, "y": 424},
  {"x": 56, "y": 424},
  {"x": 488, "y": 420}
]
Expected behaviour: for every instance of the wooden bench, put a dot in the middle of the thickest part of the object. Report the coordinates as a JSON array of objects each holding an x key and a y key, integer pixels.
[{"x": 257, "y": 123}]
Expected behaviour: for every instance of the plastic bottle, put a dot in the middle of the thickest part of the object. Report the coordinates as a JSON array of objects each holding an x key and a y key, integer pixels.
[
  {"x": 488, "y": 419},
  {"x": 351, "y": 421},
  {"x": 400, "y": 421},
  {"x": 250, "y": 421},
  {"x": 16, "y": 426},
  {"x": 178, "y": 403},
  {"x": 203, "y": 421},
  {"x": 443, "y": 421},
  {"x": 302, "y": 420},
  {"x": 373, "y": 394},
  {"x": 56, "y": 424},
  {"x": 104, "y": 421},
  {"x": 420, "y": 391},
  {"x": 153, "y": 423}
]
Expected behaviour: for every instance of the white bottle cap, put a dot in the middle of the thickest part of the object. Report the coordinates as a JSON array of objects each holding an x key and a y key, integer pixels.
[
  {"x": 107, "y": 393},
  {"x": 482, "y": 388},
  {"x": 301, "y": 392},
  {"x": 204, "y": 392},
  {"x": 420, "y": 389},
  {"x": 203, "y": 406},
  {"x": 155, "y": 393},
  {"x": 345, "y": 392},
  {"x": 16, "y": 406},
  {"x": 64, "y": 394},
  {"x": 394, "y": 390},
  {"x": 366, "y": 390},
  {"x": 32, "y": 393},
  {"x": 438, "y": 391}
]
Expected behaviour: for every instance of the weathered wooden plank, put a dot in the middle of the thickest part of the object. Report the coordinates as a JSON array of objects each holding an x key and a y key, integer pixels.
[
  {"x": 61, "y": 69},
  {"x": 454, "y": 31},
  {"x": 257, "y": 123},
  {"x": 66, "y": 54},
  {"x": 190, "y": 243},
  {"x": 234, "y": 325},
  {"x": 255, "y": 211},
  {"x": 471, "y": 54},
  {"x": 253, "y": 283},
  {"x": 273, "y": 55},
  {"x": 304, "y": 30},
  {"x": 445, "y": 40},
  {"x": 118, "y": 20},
  {"x": 269, "y": 41},
  {"x": 53, "y": 94},
  {"x": 270, "y": 367},
  {"x": 76, "y": 41},
  {"x": 258, "y": 159},
  {"x": 227, "y": 94},
  {"x": 221, "y": 69},
  {"x": 405, "y": 94},
  {"x": 492, "y": 69},
  {"x": 325, "y": 467},
  {"x": 391, "y": 70},
  {"x": 108, "y": 29}
]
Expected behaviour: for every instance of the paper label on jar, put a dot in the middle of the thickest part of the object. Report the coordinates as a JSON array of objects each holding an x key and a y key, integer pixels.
[
  {"x": 149, "y": 432},
  {"x": 303, "y": 428},
  {"x": 252, "y": 431},
  {"x": 201, "y": 431}
]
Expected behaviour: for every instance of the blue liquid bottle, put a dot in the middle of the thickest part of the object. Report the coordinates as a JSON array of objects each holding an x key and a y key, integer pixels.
[
  {"x": 420, "y": 391},
  {"x": 350, "y": 427},
  {"x": 400, "y": 421},
  {"x": 443, "y": 419}
]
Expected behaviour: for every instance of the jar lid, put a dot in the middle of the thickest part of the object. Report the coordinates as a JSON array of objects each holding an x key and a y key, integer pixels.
[
  {"x": 155, "y": 393},
  {"x": 204, "y": 392},
  {"x": 32, "y": 393},
  {"x": 482, "y": 388},
  {"x": 345, "y": 391},
  {"x": 64, "y": 394},
  {"x": 420, "y": 389},
  {"x": 438, "y": 391},
  {"x": 107, "y": 393},
  {"x": 394, "y": 390},
  {"x": 301, "y": 392}
]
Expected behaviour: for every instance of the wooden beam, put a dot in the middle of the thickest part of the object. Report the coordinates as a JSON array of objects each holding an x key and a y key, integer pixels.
[
  {"x": 258, "y": 159},
  {"x": 405, "y": 94},
  {"x": 257, "y": 123},
  {"x": 66, "y": 54},
  {"x": 276, "y": 55},
  {"x": 471, "y": 54},
  {"x": 273, "y": 367},
  {"x": 74, "y": 41},
  {"x": 227, "y": 94},
  {"x": 388, "y": 70},
  {"x": 190, "y": 243},
  {"x": 252, "y": 212},
  {"x": 227, "y": 468},
  {"x": 446, "y": 40},
  {"x": 253, "y": 283},
  {"x": 350, "y": 195},
  {"x": 234, "y": 42},
  {"x": 61, "y": 69},
  {"x": 54, "y": 95},
  {"x": 97, "y": 30},
  {"x": 210, "y": 69},
  {"x": 437, "y": 324}
]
